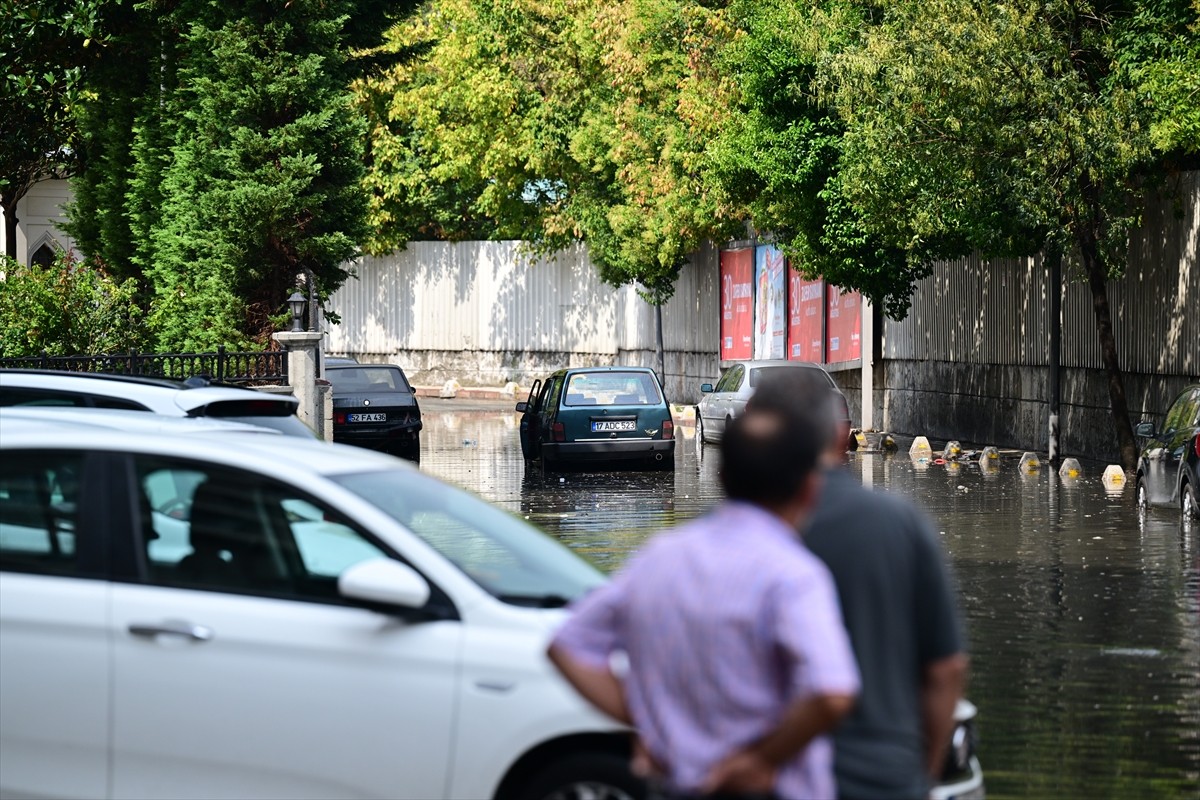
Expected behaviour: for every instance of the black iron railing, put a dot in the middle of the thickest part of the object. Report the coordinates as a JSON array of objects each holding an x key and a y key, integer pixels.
[{"x": 269, "y": 367}]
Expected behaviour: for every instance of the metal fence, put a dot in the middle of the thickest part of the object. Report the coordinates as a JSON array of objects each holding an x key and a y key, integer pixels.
[{"x": 259, "y": 368}]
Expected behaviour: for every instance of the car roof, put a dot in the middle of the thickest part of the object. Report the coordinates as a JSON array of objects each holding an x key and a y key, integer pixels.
[
  {"x": 129, "y": 420},
  {"x": 161, "y": 395},
  {"x": 285, "y": 456},
  {"x": 616, "y": 368}
]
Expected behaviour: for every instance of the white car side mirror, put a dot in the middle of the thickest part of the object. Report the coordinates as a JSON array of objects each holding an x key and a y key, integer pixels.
[{"x": 382, "y": 580}]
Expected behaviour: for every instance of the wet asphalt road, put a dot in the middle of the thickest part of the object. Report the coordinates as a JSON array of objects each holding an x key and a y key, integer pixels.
[{"x": 1083, "y": 618}]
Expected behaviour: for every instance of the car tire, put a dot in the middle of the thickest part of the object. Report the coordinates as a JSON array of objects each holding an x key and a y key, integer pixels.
[
  {"x": 1141, "y": 499},
  {"x": 700, "y": 427},
  {"x": 586, "y": 776},
  {"x": 1189, "y": 503}
]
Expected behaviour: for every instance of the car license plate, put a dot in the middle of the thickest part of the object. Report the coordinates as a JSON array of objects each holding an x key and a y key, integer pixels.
[
  {"x": 600, "y": 426},
  {"x": 366, "y": 418}
]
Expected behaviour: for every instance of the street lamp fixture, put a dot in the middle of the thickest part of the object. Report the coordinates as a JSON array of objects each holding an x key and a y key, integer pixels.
[{"x": 296, "y": 304}]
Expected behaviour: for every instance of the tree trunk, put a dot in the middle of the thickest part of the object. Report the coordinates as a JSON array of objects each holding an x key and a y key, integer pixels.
[
  {"x": 1098, "y": 282},
  {"x": 10, "y": 227}
]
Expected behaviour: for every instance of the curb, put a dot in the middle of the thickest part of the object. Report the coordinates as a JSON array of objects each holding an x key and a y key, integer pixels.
[{"x": 465, "y": 392}]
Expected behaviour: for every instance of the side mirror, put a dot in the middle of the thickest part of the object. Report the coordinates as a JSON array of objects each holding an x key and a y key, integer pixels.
[
  {"x": 706, "y": 387},
  {"x": 384, "y": 581},
  {"x": 522, "y": 406},
  {"x": 1145, "y": 429}
]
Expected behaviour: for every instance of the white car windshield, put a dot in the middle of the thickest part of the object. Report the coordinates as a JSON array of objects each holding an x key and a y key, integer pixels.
[{"x": 509, "y": 558}]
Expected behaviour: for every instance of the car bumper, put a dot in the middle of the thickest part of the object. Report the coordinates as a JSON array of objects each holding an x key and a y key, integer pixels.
[
  {"x": 386, "y": 439},
  {"x": 609, "y": 450}
]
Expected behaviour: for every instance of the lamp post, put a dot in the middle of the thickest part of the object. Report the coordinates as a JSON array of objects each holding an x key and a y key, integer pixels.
[{"x": 296, "y": 304}]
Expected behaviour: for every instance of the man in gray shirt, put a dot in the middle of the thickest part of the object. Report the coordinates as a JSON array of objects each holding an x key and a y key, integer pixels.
[{"x": 898, "y": 603}]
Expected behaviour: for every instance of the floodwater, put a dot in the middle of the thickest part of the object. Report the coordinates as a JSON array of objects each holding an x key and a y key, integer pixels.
[{"x": 1083, "y": 618}]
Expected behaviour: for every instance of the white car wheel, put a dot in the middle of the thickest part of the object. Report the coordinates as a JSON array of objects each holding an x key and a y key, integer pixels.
[{"x": 1189, "y": 504}]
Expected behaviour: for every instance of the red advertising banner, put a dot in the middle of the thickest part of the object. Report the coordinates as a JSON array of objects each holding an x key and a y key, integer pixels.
[
  {"x": 737, "y": 304},
  {"x": 843, "y": 331},
  {"x": 806, "y": 300}
]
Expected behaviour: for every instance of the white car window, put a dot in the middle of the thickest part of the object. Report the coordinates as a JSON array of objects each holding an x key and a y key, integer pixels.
[
  {"x": 217, "y": 528},
  {"x": 39, "y": 509}
]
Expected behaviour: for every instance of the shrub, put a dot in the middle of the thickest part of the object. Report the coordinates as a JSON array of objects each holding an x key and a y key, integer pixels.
[{"x": 68, "y": 308}]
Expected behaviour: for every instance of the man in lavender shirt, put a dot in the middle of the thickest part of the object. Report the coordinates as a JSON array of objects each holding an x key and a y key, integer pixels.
[{"x": 737, "y": 662}]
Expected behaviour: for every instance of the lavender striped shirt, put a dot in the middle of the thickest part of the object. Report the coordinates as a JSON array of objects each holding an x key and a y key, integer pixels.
[{"x": 725, "y": 622}]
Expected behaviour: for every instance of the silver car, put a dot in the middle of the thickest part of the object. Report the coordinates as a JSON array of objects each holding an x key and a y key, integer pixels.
[{"x": 727, "y": 400}]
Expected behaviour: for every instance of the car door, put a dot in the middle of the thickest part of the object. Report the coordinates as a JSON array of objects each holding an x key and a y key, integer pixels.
[
  {"x": 723, "y": 397},
  {"x": 529, "y": 416},
  {"x": 239, "y": 671},
  {"x": 54, "y": 646},
  {"x": 1177, "y": 438},
  {"x": 547, "y": 412}
]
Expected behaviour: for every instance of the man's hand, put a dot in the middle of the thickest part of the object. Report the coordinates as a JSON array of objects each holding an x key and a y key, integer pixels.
[{"x": 744, "y": 772}]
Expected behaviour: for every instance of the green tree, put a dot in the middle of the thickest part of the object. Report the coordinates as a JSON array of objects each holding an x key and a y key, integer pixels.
[
  {"x": 780, "y": 155},
  {"x": 1007, "y": 127},
  {"x": 223, "y": 158},
  {"x": 555, "y": 122},
  {"x": 45, "y": 46},
  {"x": 67, "y": 308}
]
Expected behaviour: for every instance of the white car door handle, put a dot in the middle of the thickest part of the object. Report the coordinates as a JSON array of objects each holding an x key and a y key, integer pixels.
[{"x": 186, "y": 630}]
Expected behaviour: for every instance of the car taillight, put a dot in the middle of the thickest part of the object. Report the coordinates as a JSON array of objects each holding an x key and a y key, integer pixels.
[
  {"x": 340, "y": 418},
  {"x": 1196, "y": 444},
  {"x": 668, "y": 429},
  {"x": 560, "y": 433}
]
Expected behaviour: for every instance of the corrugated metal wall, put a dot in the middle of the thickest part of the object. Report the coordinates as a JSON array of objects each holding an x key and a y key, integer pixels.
[
  {"x": 492, "y": 297},
  {"x": 995, "y": 312}
]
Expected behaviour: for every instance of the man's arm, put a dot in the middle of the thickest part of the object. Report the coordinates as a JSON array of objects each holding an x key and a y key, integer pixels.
[
  {"x": 753, "y": 769},
  {"x": 941, "y": 686},
  {"x": 597, "y": 685}
]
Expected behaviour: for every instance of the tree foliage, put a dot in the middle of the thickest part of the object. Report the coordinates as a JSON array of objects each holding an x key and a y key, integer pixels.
[
  {"x": 44, "y": 46},
  {"x": 561, "y": 121},
  {"x": 780, "y": 156},
  {"x": 67, "y": 308},
  {"x": 224, "y": 159},
  {"x": 1012, "y": 128}
]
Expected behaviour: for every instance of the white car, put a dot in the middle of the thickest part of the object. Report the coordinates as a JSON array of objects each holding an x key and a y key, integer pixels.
[
  {"x": 727, "y": 400},
  {"x": 192, "y": 398},
  {"x": 233, "y": 615}
]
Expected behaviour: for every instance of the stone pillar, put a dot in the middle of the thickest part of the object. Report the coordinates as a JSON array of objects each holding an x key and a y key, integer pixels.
[{"x": 304, "y": 355}]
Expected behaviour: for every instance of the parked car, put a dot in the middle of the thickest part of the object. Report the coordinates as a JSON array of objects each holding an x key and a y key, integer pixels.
[
  {"x": 374, "y": 406},
  {"x": 599, "y": 417},
  {"x": 240, "y": 615},
  {"x": 192, "y": 398},
  {"x": 1168, "y": 468},
  {"x": 727, "y": 400}
]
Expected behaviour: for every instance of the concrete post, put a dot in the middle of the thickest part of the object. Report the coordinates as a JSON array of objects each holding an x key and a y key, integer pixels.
[
  {"x": 304, "y": 356},
  {"x": 867, "y": 341}
]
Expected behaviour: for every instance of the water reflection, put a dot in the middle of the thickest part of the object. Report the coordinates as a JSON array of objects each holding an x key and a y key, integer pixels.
[{"x": 1083, "y": 616}]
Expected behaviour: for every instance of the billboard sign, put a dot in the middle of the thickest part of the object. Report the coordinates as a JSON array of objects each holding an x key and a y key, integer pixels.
[
  {"x": 843, "y": 340},
  {"x": 770, "y": 320},
  {"x": 806, "y": 301},
  {"x": 737, "y": 304}
]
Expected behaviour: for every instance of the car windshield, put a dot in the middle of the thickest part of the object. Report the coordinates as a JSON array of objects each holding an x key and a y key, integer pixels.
[
  {"x": 509, "y": 558},
  {"x": 367, "y": 379},
  {"x": 612, "y": 389},
  {"x": 759, "y": 374}
]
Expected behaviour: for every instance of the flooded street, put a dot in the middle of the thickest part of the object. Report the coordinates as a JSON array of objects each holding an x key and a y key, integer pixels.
[{"x": 1084, "y": 621}]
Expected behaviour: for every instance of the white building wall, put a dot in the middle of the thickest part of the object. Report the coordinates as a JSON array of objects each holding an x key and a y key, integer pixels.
[{"x": 39, "y": 219}]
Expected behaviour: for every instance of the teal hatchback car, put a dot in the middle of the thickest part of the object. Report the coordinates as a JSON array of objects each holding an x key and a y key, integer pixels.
[{"x": 602, "y": 417}]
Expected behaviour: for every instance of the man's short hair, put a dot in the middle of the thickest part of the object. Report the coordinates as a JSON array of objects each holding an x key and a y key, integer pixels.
[{"x": 768, "y": 453}]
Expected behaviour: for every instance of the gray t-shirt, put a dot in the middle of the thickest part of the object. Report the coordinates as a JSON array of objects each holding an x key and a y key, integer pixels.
[{"x": 899, "y": 604}]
